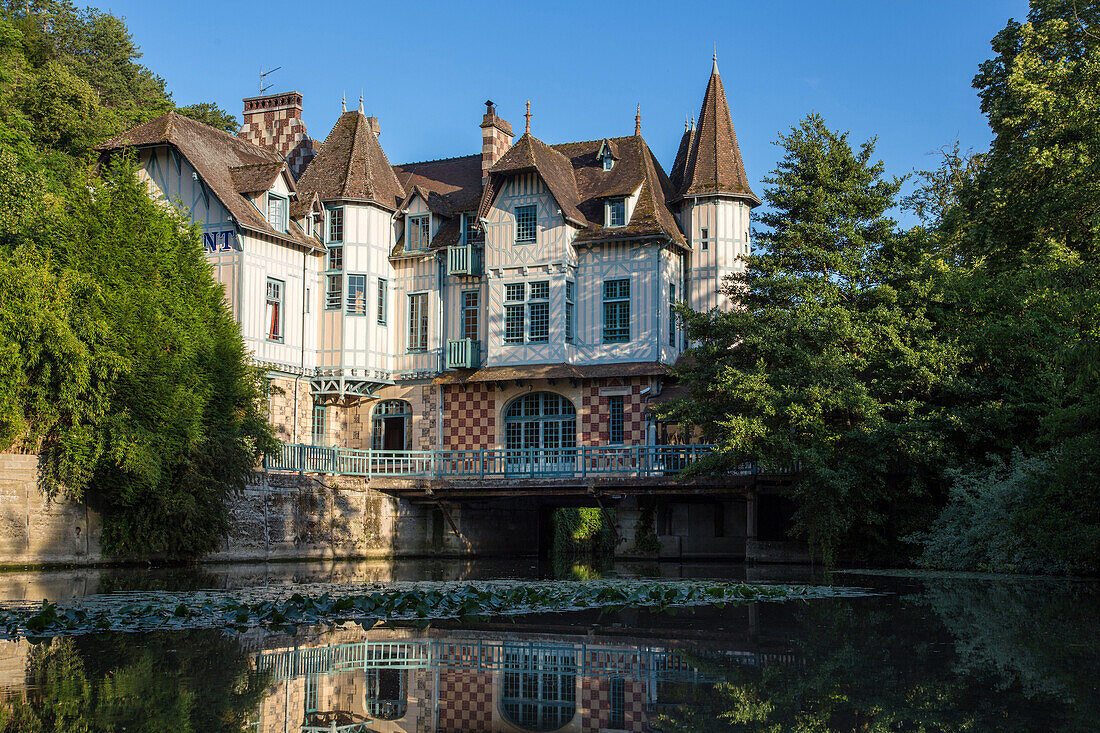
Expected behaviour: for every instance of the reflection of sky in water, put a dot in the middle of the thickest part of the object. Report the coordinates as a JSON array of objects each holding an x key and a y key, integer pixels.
[{"x": 945, "y": 653}]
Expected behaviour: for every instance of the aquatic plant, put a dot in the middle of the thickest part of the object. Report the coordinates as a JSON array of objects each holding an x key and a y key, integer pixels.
[{"x": 369, "y": 605}]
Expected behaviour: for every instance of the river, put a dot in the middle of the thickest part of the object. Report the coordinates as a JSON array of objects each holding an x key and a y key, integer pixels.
[{"x": 917, "y": 652}]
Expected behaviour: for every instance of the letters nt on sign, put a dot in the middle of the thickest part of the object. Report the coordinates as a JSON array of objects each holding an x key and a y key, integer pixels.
[{"x": 214, "y": 242}]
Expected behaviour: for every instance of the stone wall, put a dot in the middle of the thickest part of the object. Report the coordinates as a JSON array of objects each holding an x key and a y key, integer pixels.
[{"x": 278, "y": 517}]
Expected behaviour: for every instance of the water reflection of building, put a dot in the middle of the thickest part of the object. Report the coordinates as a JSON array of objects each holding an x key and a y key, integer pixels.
[{"x": 407, "y": 680}]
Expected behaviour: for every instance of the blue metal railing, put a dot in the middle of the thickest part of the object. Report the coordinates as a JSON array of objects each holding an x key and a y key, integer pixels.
[{"x": 579, "y": 462}]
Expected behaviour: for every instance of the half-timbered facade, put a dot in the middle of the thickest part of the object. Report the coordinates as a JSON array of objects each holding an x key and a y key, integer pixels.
[{"x": 521, "y": 299}]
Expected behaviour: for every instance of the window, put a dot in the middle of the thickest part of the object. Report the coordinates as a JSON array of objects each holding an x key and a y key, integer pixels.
[
  {"x": 616, "y": 311},
  {"x": 336, "y": 257},
  {"x": 276, "y": 211},
  {"x": 616, "y": 213},
  {"x": 469, "y": 314},
  {"x": 618, "y": 704},
  {"x": 569, "y": 296},
  {"x": 704, "y": 235},
  {"x": 615, "y": 422},
  {"x": 672, "y": 314},
  {"x": 418, "y": 322},
  {"x": 526, "y": 224},
  {"x": 336, "y": 225},
  {"x": 391, "y": 426},
  {"x": 334, "y": 294},
  {"x": 469, "y": 227},
  {"x": 383, "y": 286},
  {"x": 540, "y": 432},
  {"x": 538, "y": 313},
  {"x": 513, "y": 313},
  {"x": 274, "y": 309},
  {"x": 608, "y": 162},
  {"x": 538, "y": 687},
  {"x": 308, "y": 300},
  {"x": 357, "y": 295},
  {"x": 419, "y": 232},
  {"x": 318, "y": 423}
]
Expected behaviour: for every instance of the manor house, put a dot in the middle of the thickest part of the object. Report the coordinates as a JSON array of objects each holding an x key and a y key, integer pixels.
[{"x": 518, "y": 298}]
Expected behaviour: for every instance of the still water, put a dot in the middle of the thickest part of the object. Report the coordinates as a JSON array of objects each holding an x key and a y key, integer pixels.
[{"x": 923, "y": 653}]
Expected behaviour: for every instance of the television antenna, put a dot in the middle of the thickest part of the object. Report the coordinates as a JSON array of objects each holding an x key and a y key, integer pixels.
[{"x": 263, "y": 75}]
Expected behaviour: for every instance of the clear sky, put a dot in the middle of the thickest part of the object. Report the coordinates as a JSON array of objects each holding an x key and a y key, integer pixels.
[{"x": 900, "y": 70}]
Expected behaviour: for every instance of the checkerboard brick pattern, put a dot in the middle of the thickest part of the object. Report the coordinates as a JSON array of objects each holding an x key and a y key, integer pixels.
[
  {"x": 470, "y": 417},
  {"x": 465, "y": 702},
  {"x": 595, "y": 413},
  {"x": 595, "y": 705}
]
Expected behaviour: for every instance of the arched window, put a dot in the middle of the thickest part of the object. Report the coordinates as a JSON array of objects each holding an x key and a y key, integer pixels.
[
  {"x": 540, "y": 433},
  {"x": 539, "y": 686},
  {"x": 391, "y": 427}
]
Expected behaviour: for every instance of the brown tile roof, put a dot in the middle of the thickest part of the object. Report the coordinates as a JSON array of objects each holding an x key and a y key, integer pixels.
[
  {"x": 531, "y": 154},
  {"x": 352, "y": 165},
  {"x": 255, "y": 177},
  {"x": 212, "y": 153},
  {"x": 552, "y": 371},
  {"x": 451, "y": 186},
  {"x": 637, "y": 169},
  {"x": 713, "y": 162},
  {"x": 676, "y": 175}
]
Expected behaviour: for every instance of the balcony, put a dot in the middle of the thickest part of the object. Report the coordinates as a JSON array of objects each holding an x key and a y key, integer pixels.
[
  {"x": 581, "y": 462},
  {"x": 463, "y": 354},
  {"x": 464, "y": 259}
]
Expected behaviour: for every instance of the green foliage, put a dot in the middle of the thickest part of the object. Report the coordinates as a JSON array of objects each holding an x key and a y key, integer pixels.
[
  {"x": 582, "y": 530},
  {"x": 645, "y": 536},
  {"x": 211, "y": 114},
  {"x": 832, "y": 358},
  {"x": 119, "y": 361},
  {"x": 115, "y": 683}
]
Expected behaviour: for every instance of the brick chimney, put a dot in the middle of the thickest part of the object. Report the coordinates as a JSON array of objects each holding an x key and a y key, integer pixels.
[
  {"x": 496, "y": 138},
  {"x": 274, "y": 121}
]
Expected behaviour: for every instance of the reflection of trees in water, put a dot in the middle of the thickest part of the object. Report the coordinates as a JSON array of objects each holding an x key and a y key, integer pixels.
[
  {"x": 194, "y": 681},
  {"x": 886, "y": 664}
]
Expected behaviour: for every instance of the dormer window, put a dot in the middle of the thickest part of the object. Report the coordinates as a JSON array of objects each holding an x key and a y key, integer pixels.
[
  {"x": 419, "y": 235},
  {"x": 615, "y": 215},
  {"x": 469, "y": 227},
  {"x": 276, "y": 211},
  {"x": 608, "y": 162},
  {"x": 605, "y": 156}
]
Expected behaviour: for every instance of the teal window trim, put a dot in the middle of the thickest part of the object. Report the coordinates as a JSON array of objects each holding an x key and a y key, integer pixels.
[
  {"x": 616, "y": 311},
  {"x": 615, "y": 213},
  {"x": 421, "y": 224},
  {"x": 704, "y": 238},
  {"x": 469, "y": 225},
  {"x": 274, "y": 309},
  {"x": 356, "y": 295},
  {"x": 616, "y": 419},
  {"x": 280, "y": 222},
  {"x": 334, "y": 225},
  {"x": 334, "y": 291},
  {"x": 527, "y": 223},
  {"x": 471, "y": 314},
  {"x": 418, "y": 323},
  {"x": 383, "y": 301},
  {"x": 570, "y": 310}
]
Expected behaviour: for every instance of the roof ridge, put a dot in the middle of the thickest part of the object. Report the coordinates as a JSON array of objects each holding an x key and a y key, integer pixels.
[{"x": 438, "y": 160}]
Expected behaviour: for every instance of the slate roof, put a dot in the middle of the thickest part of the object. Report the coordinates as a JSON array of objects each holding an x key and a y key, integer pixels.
[
  {"x": 531, "y": 154},
  {"x": 637, "y": 169},
  {"x": 213, "y": 154},
  {"x": 255, "y": 177},
  {"x": 352, "y": 165},
  {"x": 712, "y": 163}
]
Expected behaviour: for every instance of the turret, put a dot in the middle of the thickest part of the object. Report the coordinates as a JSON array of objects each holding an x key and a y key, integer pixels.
[{"x": 714, "y": 198}]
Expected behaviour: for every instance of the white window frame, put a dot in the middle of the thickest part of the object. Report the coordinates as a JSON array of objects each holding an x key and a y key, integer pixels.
[
  {"x": 281, "y": 224},
  {"x": 607, "y": 213}
]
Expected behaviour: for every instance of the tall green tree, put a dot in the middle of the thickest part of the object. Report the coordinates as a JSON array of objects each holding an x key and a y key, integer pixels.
[{"x": 830, "y": 358}]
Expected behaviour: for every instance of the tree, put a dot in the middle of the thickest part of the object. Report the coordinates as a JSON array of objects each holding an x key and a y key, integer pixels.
[
  {"x": 831, "y": 355},
  {"x": 211, "y": 114}
]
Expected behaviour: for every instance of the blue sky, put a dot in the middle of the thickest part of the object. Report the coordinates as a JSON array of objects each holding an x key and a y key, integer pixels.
[{"x": 898, "y": 70}]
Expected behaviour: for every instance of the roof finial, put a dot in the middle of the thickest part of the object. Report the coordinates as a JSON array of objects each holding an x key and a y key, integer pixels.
[
  {"x": 714, "y": 69},
  {"x": 343, "y": 102},
  {"x": 528, "y": 116},
  {"x": 638, "y": 121},
  {"x": 692, "y": 120},
  {"x": 686, "y": 128},
  {"x": 360, "y": 101}
]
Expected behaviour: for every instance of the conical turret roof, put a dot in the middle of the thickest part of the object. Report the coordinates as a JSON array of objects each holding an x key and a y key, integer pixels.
[
  {"x": 352, "y": 165},
  {"x": 712, "y": 162}
]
